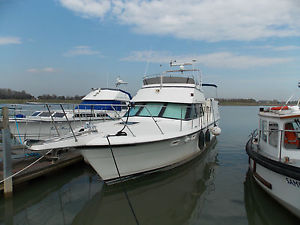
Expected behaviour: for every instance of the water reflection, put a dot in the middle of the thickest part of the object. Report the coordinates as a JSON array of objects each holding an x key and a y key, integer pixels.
[
  {"x": 261, "y": 208},
  {"x": 52, "y": 199},
  {"x": 78, "y": 196},
  {"x": 173, "y": 197}
]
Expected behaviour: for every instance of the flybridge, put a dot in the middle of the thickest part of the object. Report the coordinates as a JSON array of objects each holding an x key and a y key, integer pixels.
[{"x": 178, "y": 76}]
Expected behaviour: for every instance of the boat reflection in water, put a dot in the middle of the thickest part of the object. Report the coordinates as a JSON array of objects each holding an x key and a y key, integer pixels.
[
  {"x": 55, "y": 199},
  {"x": 78, "y": 196},
  {"x": 172, "y": 197},
  {"x": 262, "y": 209}
]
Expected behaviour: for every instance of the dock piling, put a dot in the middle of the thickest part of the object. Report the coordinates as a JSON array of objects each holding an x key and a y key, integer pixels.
[{"x": 7, "y": 162}]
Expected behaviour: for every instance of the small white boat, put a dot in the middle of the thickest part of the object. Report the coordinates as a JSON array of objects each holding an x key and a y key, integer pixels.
[
  {"x": 99, "y": 105},
  {"x": 274, "y": 155},
  {"x": 169, "y": 123}
]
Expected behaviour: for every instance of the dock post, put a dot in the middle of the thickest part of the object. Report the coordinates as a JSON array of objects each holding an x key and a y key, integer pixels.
[{"x": 7, "y": 163}]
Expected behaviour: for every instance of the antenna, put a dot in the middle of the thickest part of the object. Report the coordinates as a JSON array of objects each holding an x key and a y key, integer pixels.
[
  {"x": 119, "y": 82},
  {"x": 146, "y": 69},
  {"x": 107, "y": 80}
]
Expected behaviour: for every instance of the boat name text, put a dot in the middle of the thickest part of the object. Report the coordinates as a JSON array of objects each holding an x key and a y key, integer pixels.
[{"x": 292, "y": 182}]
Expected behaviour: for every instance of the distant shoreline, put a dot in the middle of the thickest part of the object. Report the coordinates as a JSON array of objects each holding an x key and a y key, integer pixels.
[
  {"x": 24, "y": 101},
  {"x": 221, "y": 102},
  {"x": 247, "y": 104}
]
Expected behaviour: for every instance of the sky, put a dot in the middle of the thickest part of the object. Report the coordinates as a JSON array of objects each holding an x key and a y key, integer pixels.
[{"x": 250, "y": 49}]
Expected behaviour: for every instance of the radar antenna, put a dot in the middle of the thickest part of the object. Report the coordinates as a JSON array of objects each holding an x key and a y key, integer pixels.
[{"x": 119, "y": 82}]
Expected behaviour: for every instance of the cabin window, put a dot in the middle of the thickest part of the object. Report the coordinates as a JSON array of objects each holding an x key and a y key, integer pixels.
[
  {"x": 264, "y": 130},
  {"x": 165, "y": 110},
  {"x": 151, "y": 109},
  {"x": 273, "y": 134},
  {"x": 59, "y": 114},
  {"x": 175, "y": 111},
  {"x": 35, "y": 113},
  {"x": 292, "y": 135},
  {"x": 85, "y": 115},
  {"x": 45, "y": 114},
  {"x": 200, "y": 108},
  {"x": 194, "y": 112}
]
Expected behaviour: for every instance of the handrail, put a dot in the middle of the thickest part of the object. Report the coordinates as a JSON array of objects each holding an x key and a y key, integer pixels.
[
  {"x": 154, "y": 120},
  {"x": 52, "y": 120},
  {"x": 124, "y": 122},
  {"x": 69, "y": 123}
]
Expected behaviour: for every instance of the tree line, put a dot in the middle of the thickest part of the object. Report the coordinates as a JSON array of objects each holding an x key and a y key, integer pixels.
[{"x": 6, "y": 93}]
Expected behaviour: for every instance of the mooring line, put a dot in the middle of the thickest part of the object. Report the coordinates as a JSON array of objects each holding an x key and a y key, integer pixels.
[
  {"x": 20, "y": 171},
  {"x": 121, "y": 180}
]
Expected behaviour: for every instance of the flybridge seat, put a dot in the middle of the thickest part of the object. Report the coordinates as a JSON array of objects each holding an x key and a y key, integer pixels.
[{"x": 169, "y": 80}]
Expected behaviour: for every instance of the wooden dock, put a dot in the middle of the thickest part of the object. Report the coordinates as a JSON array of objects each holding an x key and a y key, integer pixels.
[{"x": 43, "y": 167}]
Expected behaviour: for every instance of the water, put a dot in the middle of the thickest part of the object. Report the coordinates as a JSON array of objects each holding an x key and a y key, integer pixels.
[{"x": 213, "y": 189}]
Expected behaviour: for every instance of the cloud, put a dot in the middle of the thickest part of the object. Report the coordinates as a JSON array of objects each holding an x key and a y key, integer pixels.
[
  {"x": 278, "y": 48},
  {"x": 214, "y": 60},
  {"x": 81, "y": 50},
  {"x": 88, "y": 8},
  {"x": 208, "y": 20},
  {"x": 10, "y": 40},
  {"x": 43, "y": 70}
]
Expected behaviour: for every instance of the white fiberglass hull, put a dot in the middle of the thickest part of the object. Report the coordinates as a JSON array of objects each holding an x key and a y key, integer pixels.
[
  {"x": 148, "y": 157},
  {"x": 284, "y": 189}
]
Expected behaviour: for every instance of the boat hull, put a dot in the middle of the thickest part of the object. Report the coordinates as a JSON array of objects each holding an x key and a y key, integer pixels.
[
  {"x": 144, "y": 158},
  {"x": 283, "y": 188}
]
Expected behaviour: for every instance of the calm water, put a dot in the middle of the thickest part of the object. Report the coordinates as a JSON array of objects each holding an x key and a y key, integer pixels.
[{"x": 213, "y": 189}]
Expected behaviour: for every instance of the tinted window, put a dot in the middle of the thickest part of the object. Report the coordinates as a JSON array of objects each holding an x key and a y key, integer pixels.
[
  {"x": 45, "y": 114},
  {"x": 59, "y": 114},
  {"x": 35, "y": 113},
  {"x": 175, "y": 111},
  {"x": 264, "y": 131},
  {"x": 273, "y": 134},
  {"x": 151, "y": 109}
]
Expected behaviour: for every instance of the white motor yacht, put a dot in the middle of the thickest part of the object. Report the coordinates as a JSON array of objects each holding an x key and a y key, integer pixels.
[
  {"x": 274, "y": 155},
  {"x": 169, "y": 123}
]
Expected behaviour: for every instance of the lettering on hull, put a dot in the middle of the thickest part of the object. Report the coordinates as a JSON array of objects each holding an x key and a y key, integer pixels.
[{"x": 293, "y": 182}]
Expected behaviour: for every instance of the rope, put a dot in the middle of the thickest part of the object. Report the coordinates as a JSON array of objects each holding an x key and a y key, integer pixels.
[
  {"x": 121, "y": 179},
  {"x": 20, "y": 171}
]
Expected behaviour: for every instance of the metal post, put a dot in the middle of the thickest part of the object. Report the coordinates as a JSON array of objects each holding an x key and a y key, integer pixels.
[
  {"x": 154, "y": 120},
  {"x": 181, "y": 118},
  {"x": 7, "y": 163},
  {"x": 280, "y": 145},
  {"x": 52, "y": 120},
  {"x": 68, "y": 122}
]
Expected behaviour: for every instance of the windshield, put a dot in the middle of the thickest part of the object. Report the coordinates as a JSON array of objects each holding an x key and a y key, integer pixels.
[{"x": 166, "y": 110}]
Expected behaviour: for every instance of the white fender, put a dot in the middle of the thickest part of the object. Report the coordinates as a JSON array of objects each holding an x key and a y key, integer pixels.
[{"x": 215, "y": 131}]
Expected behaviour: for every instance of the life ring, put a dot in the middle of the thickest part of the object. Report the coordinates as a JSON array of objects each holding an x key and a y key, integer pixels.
[
  {"x": 280, "y": 108},
  {"x": 207, "y": 136},
  {"x": 201, "y": 140}
]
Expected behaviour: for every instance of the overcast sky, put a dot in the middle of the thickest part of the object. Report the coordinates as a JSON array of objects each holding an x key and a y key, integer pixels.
[{"x": 250, "y": 49}]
